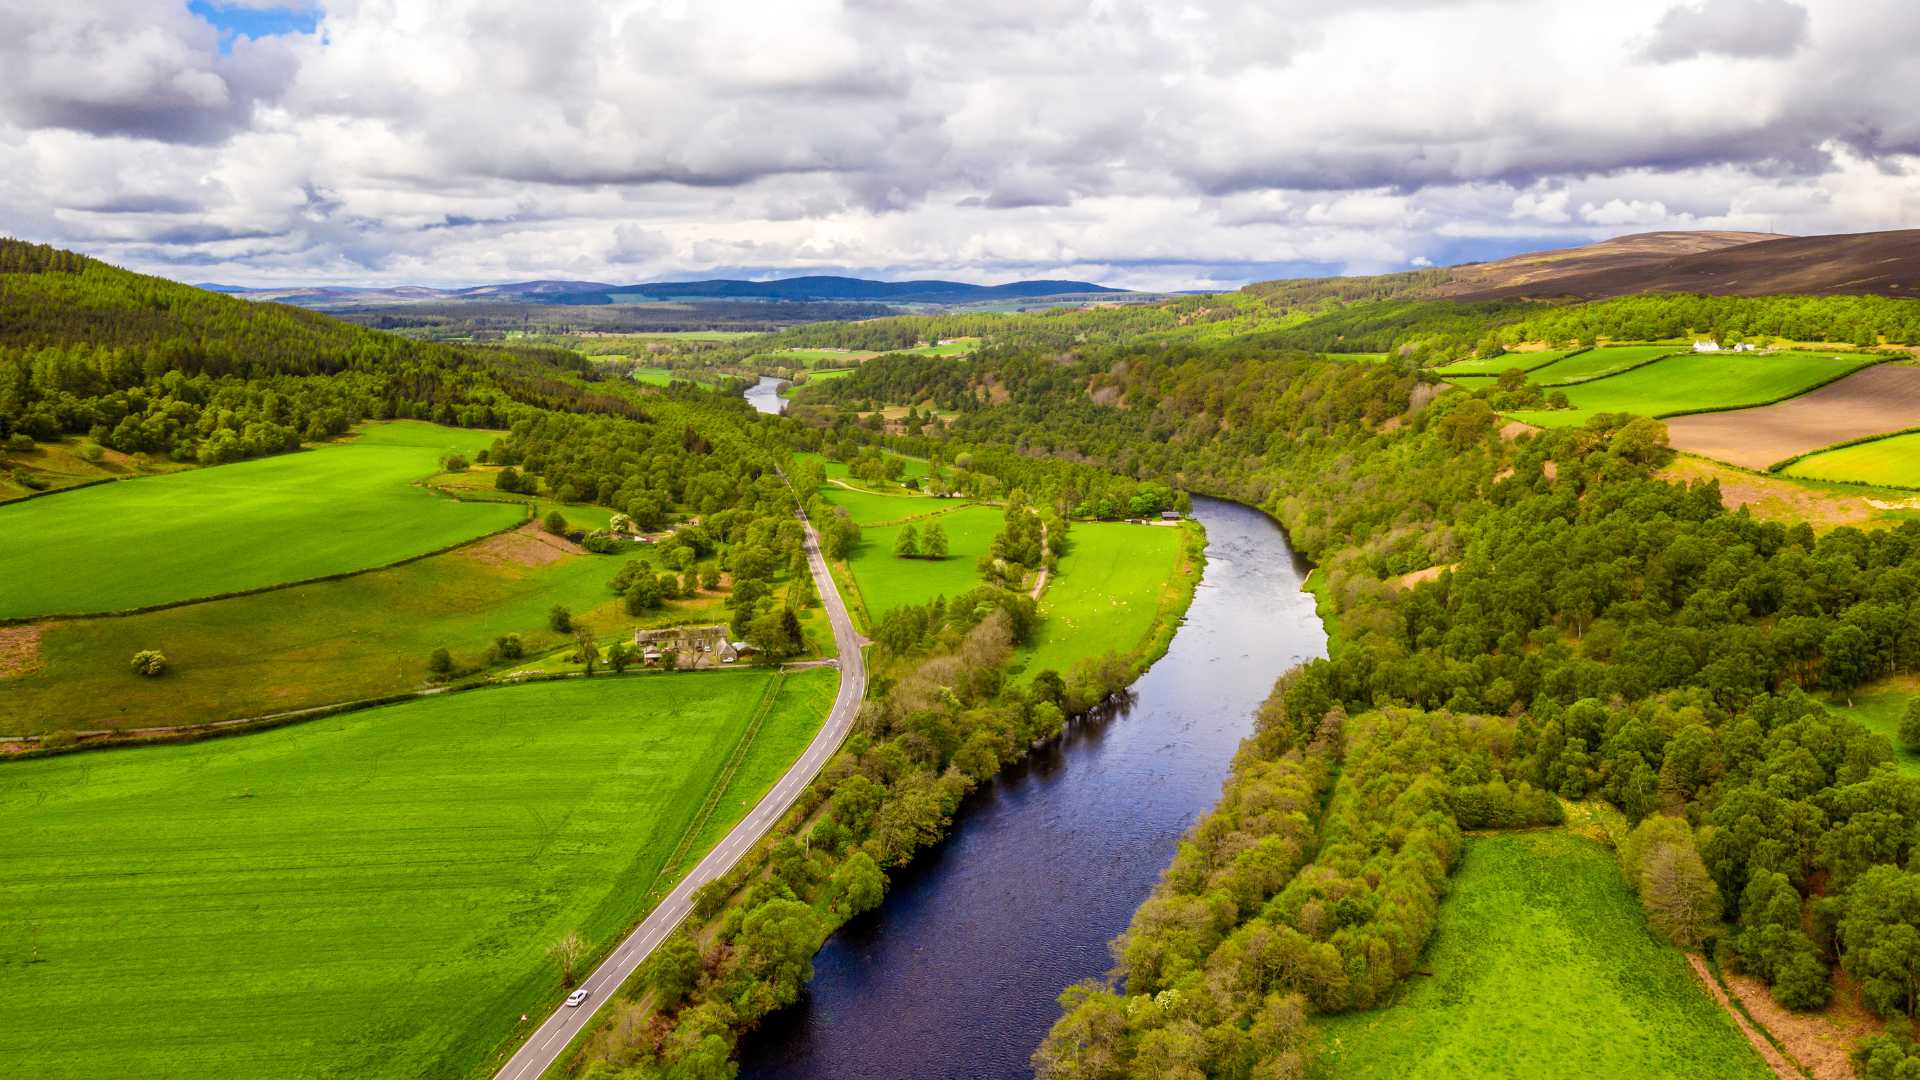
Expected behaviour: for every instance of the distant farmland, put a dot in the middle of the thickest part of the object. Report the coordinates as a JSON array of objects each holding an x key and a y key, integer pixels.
[
  {"x": 343, "y": 507},
  {"x": 1698, "y": 383},
  {"x": 1880, "y": 399},
  {"x": 372, "y": 895}
]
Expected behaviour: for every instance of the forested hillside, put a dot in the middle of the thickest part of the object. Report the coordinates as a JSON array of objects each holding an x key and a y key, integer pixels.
[{"x": 144, "y": 365}]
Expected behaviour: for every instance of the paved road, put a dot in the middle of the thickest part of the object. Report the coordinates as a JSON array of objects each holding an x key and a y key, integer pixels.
[{"x": 547, "y": 1043}]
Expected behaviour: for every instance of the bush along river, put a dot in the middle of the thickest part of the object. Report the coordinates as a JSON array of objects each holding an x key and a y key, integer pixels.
[
  {"x": 958, "y": 971},
  {"x": 765, "y": 395}
]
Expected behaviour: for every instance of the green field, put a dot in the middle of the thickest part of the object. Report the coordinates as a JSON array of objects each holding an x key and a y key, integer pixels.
[
  {"x": 1524, "y": 361},
  {"x": 1598, "y": 364},
  {"x": 1111, "y": 586},
  {"x": 886, "y": 582},
  {"x": 1698, "y": 383},
  {"x": 320, "y": 643},
  {"x": 1892, "y": 462},
  {"x": 1879, "y": 709},
  {"x": 340, "y": 508},
  {"x": 829, "y": 374},
  {"x": 1543, "y": 966},
  {"x": 371, "y": 895},
  {"x": 654, "y": 376}
]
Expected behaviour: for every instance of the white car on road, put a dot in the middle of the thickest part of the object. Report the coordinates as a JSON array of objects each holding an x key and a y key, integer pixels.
[{"x": 574, "y": 999}]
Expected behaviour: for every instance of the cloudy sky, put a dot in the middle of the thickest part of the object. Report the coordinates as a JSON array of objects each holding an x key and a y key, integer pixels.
[{"x": 1145, "y": 143}]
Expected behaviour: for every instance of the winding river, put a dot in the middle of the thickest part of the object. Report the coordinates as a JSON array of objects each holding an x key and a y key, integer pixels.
[
  {"x": 957, "y": 973},
  {"x": 765, "y": 395}
]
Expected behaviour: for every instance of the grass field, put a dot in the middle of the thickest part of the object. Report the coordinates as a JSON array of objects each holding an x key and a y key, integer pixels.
[
  {"x": 654, "y": 376},
  {"x": 1697, "y": 383},
  {"x": 339, "y": 508},
  {"x": 1110, "y": 587},
  {"x": 886, "y": 582},
  {"x": 1543, "y": 966},
  {"x": 1879, "y": 708},
  {"x": 829, "y": 374},
  {"x": 321, "y": 643},
  {"x": 371, "y": 895},
  {"x": 1894, "y": 462},
  {"x": 1598, "y": 364},
  {"x": 1525, "y": 361}
]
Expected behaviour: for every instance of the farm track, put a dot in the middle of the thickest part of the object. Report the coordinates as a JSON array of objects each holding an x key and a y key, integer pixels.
[{"x": 552, "y": 1038}]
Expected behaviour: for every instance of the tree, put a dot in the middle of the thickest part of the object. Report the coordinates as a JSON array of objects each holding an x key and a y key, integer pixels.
[
  {"x": 149, "y": 662},
  {"x": 1664, "y": 867},
  {"x": 556, "y": 523},
  {"x": 456, "y": 463},
  {"x": 933, "y": 542},
  {"x": 673, "y": 971},
  {"x": 858, "y": 885},
  {"x": 619, "y": 656},
  {"x": 560, "y": 620},
  {"x": 440, "y": 663},
  {"x": 1879, "y": 934},
  {"x": 906, "y": 545},
  {"x": 589, "y": 648},
  {"x": 567, "y": 951},
  {"x": 643, "y": 595},
  {"x": 777, "y": 942},
  {"x": 801, "y": 595},
  {"x": 508, "y": 647}
]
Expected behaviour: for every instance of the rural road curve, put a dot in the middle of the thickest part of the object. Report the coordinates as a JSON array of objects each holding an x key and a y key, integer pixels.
[{"x": 551, "y": 1039}]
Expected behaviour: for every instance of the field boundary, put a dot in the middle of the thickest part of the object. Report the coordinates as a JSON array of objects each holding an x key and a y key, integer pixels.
[
  {"x": 95, "y": 482},
  {"x": 16, "y": 620},
  {"x": 1779, "y": 467}
]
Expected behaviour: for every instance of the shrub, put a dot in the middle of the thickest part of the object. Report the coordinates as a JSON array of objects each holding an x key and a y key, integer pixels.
[
  {"x": 560, "y": 620},
  {"x": 456, "y": 463},
  {"x": 508, "y": 647},
  {"x": 19, "y": 442},
  {"x": 556, "y": 523},
  {"x": 149, "y": 662},
  {"x": 441, "y": 662},
  {"x": 1910, "y": 726}
]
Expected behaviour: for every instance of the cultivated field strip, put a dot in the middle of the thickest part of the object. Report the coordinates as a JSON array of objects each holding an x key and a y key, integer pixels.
[{"x": 1881, "y": 399}]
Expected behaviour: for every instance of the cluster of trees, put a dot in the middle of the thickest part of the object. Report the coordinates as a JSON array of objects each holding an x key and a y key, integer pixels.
[
  {"x": 915, "y": 543},
  {"x": 1859, "y": 320}
]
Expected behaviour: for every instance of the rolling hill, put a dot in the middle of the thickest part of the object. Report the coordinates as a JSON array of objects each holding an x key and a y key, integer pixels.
[{"x": 806, "y": 288}]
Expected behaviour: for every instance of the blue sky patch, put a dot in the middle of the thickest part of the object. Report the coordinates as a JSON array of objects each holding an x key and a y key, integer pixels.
[{"x": 295, "y": 17}]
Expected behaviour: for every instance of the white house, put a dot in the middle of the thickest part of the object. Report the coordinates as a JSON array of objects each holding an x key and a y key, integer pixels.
[{"x": 1706, "y": 346}]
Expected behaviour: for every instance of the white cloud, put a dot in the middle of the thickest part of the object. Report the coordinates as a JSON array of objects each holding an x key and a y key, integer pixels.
[{"x": 1197, "y": 144}]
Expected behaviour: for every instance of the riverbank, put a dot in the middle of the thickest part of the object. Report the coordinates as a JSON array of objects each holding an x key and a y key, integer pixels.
[{"x": 958, "y": 972}]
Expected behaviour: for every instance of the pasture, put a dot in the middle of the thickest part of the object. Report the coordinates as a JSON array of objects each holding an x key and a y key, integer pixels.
[
  {"x": 1494, "y": 365},
  {"x": 1113, "y": 583},
  {"x": 1890, "y": 462},
  {"x": 1882, "y": 398},
  {"x": 343, "y": 507},
  {"x": 320, "y": 643},
  {"x": 1698, "y": 383},
  {"x": 1543, "y": 966},
  {"x": 886, "y": 582},
  {"x": 370, "y": 895},
  {"x": 1598, "y": 364}
]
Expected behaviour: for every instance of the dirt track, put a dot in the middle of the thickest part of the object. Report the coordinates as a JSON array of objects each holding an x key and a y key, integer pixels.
[{"x": 1880, "y": 399}]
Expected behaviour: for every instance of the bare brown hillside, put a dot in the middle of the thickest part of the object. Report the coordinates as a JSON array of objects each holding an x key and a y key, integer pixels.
[
  {"x": 1882, "y": 263},
  {"x": 1623, "y": 256}
]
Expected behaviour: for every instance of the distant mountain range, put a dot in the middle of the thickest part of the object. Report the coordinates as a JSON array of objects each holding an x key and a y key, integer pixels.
[{"x": 592, "y": 293}]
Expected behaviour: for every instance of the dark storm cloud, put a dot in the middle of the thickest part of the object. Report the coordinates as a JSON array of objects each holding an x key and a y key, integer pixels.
[{"x": 1751, "y": 29}]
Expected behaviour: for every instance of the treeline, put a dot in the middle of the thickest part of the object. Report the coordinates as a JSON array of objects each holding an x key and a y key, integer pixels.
[{"x": 1858, "y": 320}]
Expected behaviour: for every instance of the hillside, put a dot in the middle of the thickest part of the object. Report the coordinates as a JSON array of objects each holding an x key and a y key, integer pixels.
[{"x": 1707, "y": 262}]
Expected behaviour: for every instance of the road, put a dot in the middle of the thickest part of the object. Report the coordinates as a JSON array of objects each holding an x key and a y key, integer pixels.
[{"x": 551, "y": 1039}]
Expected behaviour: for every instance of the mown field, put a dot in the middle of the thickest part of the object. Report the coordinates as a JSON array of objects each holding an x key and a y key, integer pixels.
[
  {"x": 339, "y": 508},
  {"x": 886, "y": 581},
  {"x": 371, "y": 895},
  {"x": 1494, "y": 365},
  {"x": 1543, "y": 966},
  {"x": 1891, "y": 462},
  {"x": 1698, "y": 383},
  {"x": 1112, "y": 583},
  {"x": 1598, "y": 364},
  {"x": 320, "y": 643}
]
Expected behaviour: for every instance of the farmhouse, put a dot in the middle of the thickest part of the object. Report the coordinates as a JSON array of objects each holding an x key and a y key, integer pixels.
[
  {"x": 684, "y": 647},
  {"x": 1706, "y": 346}
]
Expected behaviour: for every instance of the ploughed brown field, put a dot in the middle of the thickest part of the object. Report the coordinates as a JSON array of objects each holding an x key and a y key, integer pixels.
[{"x": 1880, "y": 399}]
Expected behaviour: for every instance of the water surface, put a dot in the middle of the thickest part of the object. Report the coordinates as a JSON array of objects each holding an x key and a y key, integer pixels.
[
  {"x": 765, "y": 395},
  {"x": 957, "y": 973}
]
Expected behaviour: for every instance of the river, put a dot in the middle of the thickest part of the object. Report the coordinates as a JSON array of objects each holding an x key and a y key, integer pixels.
[
  {"x": 956, "y": 974},
  {"x": 765, "y": 395}
]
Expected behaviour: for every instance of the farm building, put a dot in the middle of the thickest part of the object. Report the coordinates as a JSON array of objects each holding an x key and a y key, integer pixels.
[{"x": 684, "y": 647}]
